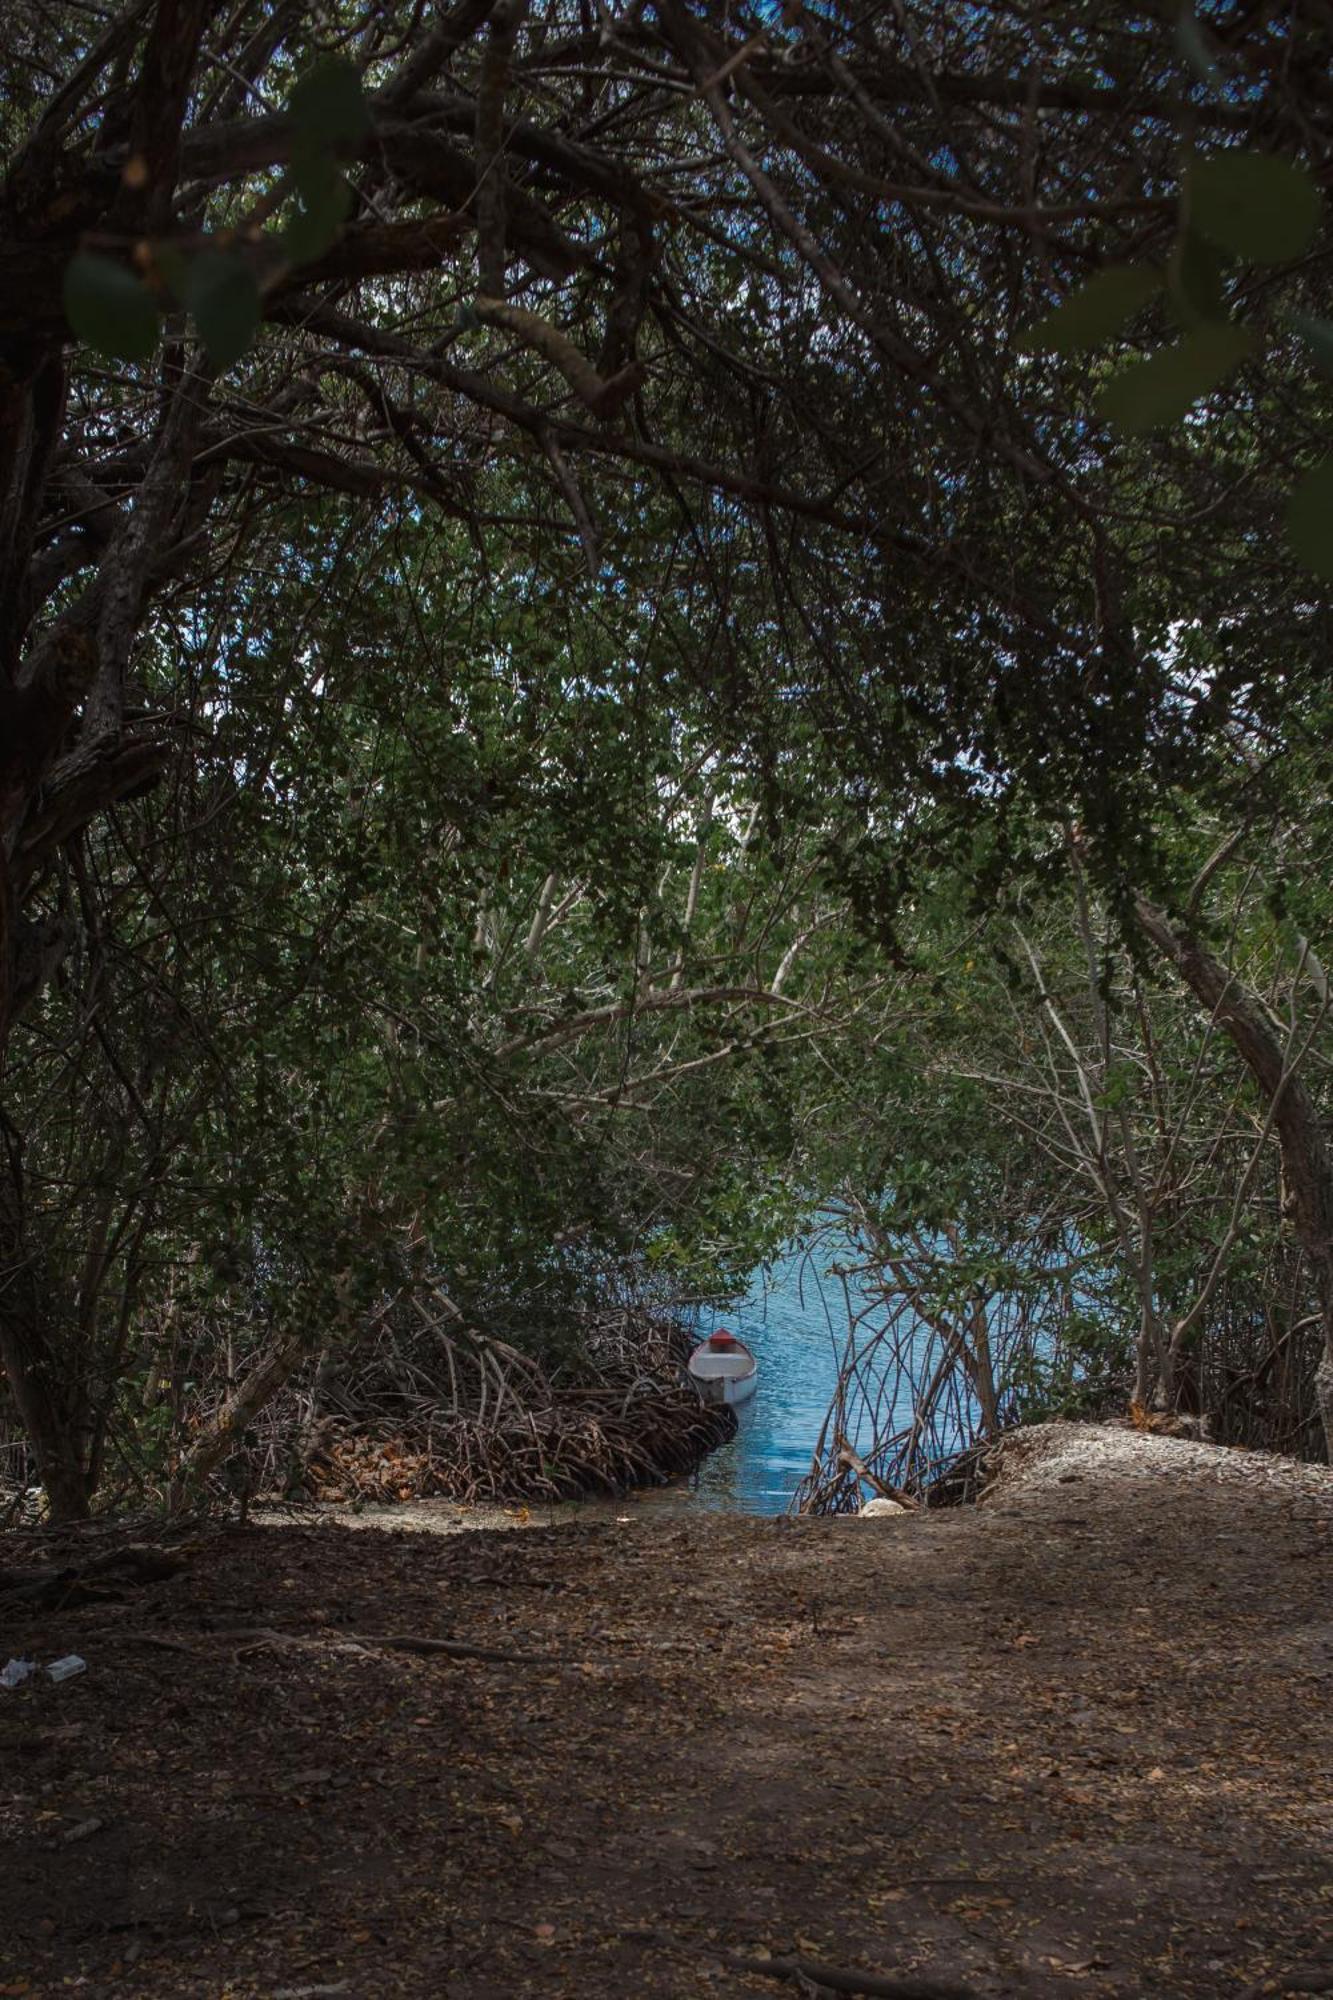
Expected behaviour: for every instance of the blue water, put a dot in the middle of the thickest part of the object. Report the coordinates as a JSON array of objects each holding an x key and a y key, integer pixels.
[
  {"x": 795, "y": 1316},
  {"x": 795, "y": 1320}
]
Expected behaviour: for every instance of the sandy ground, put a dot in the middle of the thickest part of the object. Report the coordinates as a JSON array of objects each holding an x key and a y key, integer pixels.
[{"x": 1074, "y": 1741}]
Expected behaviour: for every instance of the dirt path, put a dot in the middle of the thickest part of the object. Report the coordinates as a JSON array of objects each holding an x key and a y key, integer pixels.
[{"x": 1077, "y": 1741}]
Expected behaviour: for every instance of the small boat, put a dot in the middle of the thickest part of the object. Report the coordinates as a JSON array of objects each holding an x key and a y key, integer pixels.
[{"x": 723, "y": 1369}]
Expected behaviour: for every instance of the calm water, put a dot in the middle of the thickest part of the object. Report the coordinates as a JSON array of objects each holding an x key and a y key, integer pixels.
[{"x": 794, "y": 1320}]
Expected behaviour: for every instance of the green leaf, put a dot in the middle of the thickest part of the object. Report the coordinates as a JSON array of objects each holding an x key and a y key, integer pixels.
[
  {"x": 223, "y": 297},
  {"x": 1310, "y": 520},
  {"x": 1317, "y": 335},
  {"x": 313, "y": 169},
  {"x": 109, "y": 307},
  {"x": 313, "y": 228},
  {"x": 328, "y": 105},
  {"x": 173, "y": 267},
  {"x": 1254, "y": 204},
  {"x": 1095, "y": 311},
  {"x": 326, "y": 199},
  {"x": 1162, "y": 388},
  {"x": 1195, "y": 280}
]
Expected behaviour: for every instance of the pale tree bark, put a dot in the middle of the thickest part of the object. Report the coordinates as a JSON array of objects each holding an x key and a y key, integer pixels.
[
  {"x": 219, "y": 1437},
  {"x": 696, "y": 880},
  {"x": 541, "y": 918},
  {"x": 1307, "y": 1164},
  {"x": 981, "y": 1367},
  {"x": 1105, "y": 1161}
]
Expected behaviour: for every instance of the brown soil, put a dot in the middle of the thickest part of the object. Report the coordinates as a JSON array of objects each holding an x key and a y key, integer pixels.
[{"x": 1076, "y": 1741}]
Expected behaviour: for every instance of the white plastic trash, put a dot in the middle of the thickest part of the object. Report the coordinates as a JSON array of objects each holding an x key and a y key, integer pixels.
[
  {"x": 62, "y": 1670},
  {"x": 16, "y": 1672}
]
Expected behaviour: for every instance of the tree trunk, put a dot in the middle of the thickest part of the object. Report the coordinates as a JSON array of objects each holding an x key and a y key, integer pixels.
[
  {"x": 1307, "y": 1165},
  {"x": 1153, "y": 1373},
  {"x": 981, "y": 1369},
  {"x": 219, "y": 1437},
  {"x": 28, "y": 1354}
]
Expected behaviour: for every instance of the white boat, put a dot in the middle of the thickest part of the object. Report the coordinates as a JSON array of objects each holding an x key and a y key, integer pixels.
[{"x": 723, "y": 1369}]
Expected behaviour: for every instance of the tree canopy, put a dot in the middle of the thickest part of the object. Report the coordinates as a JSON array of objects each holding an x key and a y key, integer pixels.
[{"x": 536, "y": 541}]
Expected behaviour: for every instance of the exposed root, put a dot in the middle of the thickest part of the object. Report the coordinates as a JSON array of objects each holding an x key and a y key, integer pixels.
[
  {"x": 429, "y": 1406},
  {"x": 582, "y": 1442}
]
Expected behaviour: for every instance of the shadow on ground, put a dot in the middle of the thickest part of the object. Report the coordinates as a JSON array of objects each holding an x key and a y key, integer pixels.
[{"x": 1074, "y": 1742}]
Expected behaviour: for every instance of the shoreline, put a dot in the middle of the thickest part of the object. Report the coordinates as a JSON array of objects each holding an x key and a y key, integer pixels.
[{"x": 1031, "y": 1458}]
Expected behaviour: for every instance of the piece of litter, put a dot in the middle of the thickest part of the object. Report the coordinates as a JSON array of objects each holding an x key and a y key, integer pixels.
[
  {"x": 307, "y": 1992},
  {"x": 85, "y": 1830},
  {"x": 16, "y": 1672},
  {"x": 63, "y": 1669}
]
